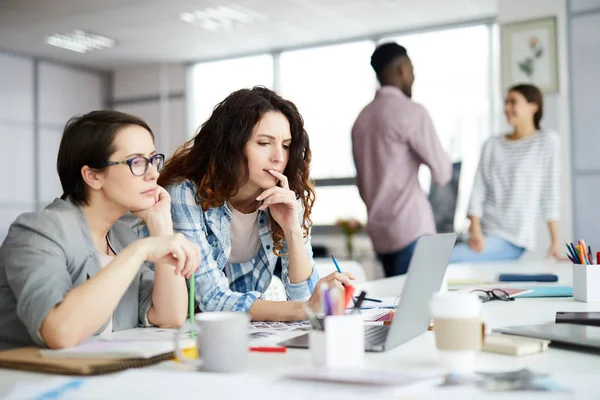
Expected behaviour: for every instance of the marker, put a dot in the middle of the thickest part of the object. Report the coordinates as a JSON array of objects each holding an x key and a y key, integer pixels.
[{"x": 264, "y": 349}]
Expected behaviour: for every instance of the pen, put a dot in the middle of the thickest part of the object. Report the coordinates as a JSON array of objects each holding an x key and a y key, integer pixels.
[
  {"x": 368, "y": 299},
  {"x": 336, "y": 264},
  {"x": 347, "y": 298},
  {"x": 277, "y": 349},
  {"x": 573, "y": 256},
  {"x": 192, "y": 293},
  {"x": 359, "y": 301}
]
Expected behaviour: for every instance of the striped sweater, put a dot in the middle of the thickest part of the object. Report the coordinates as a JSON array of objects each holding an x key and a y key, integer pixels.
[{"x": 516, "y": 181}]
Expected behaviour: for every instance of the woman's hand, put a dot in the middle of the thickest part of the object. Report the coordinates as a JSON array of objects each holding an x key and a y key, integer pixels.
[
  {"x": 175, "y": 250},
  {"x": 476, "y": 241},
  {"x": 282, "y": 203},
  {"x": 556, "y": 252},
  {"x": 158, "y": 217},
  {"x": 332, "y": 280}
]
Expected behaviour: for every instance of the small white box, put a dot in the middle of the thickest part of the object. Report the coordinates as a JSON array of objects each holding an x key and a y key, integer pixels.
[
  {"x": 341, "y": 344},
  {"x": 586, "y": 283}
]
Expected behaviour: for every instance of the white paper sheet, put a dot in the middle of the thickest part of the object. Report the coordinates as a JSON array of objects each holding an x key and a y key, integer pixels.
[
  {"x": 385, "y": 301},
  {"x": 271, "y": 333}
]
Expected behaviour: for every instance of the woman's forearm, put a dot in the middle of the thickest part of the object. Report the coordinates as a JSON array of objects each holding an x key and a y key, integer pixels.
[
  {"x": 88, "y": 306},
  {"x": 300, "y": 266},
  {"x": 553, "y": 229},
  {"x": 169, "y": 296},
  {"x": 475, "y": 224}
]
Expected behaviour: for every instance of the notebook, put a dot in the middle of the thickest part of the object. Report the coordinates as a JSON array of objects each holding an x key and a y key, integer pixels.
[
  {"x": 528, "y": 278},
  {"x": 31, "y": 359},
  {"x": 113, "y": 350},
  {"x": 577, "y": 335},
  {"x": 546, "y": 291}
]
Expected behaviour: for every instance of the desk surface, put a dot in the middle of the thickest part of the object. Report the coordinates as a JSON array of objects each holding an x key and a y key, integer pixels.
[{"x": 419, "y": 354}]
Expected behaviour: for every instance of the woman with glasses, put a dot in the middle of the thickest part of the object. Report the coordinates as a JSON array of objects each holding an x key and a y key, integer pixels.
[
  {"x": 73, "y": 270},
  {"x": 240, "y": 189}
]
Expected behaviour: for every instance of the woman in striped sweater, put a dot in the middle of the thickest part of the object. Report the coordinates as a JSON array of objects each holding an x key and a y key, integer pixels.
[{"x": 517, "y": 179}]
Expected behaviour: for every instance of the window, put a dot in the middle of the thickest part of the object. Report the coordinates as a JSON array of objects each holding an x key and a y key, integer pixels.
[
  {"x": 453, "y": 79},
  {"x": 337, "y": 202},
  {"x": 213, "y": 81},
  {"x": 330, "y": 85}
]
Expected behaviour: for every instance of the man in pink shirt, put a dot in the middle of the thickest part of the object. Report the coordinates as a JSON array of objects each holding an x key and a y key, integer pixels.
[{"x": 391, "y": 138}]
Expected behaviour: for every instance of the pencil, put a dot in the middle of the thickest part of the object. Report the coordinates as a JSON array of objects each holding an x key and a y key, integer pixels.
[{"x": 192, "y": 293}]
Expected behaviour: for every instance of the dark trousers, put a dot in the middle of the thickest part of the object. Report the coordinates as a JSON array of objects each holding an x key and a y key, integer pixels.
[{"x": 396, "y": 263}]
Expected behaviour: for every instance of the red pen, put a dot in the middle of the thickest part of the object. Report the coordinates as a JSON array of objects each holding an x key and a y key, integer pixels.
[
  {"x": 598, "y": 258},
  {"x": 277, "y": 349}
]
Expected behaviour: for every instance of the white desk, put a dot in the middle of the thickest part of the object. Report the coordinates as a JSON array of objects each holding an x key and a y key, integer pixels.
[{"x": 420, "y": 354}]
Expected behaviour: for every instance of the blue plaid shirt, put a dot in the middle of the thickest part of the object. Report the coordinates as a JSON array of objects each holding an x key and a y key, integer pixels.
[{"x": 230, "y": 287}]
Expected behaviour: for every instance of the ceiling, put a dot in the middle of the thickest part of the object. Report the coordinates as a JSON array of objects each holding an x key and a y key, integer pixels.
[{"x": 151, "y": 31}]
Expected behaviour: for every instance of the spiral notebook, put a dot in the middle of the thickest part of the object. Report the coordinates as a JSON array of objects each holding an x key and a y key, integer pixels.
[{"x": 31, "y": 359}]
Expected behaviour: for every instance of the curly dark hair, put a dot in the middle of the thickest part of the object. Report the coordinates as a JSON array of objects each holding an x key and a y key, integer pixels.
[{"x": 212, "y": 159}]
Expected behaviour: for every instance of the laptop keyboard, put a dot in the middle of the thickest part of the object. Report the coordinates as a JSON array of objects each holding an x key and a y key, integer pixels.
[{"x": 375, "y": 335}]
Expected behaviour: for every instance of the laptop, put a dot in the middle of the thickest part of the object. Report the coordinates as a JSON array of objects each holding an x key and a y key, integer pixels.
[
  {"x": 569, "y": 334},
  {"x": 425, "y": 275}
]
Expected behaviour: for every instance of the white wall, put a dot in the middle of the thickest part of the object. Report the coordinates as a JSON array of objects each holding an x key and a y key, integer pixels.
[
  {"x": 556, "y": 107},
  {"x": 155, "y": 93},
  {"x": 36, "y": 99},
  {"x": 63, "y": 93},
  {"x": 16, "y": 139},
  {"x": 585, "y": 105}
]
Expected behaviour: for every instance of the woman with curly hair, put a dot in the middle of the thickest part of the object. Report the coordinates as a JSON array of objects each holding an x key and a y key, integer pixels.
[{"x": 240, "y": 189}]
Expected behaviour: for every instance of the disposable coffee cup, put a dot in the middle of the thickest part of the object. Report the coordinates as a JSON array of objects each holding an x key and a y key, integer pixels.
[{"x": 458, "y": 329}]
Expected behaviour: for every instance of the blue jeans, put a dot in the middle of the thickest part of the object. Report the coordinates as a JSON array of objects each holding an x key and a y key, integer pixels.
[
  {"x": 396, "y": 263},
  {"x": 495, "y": 249}
]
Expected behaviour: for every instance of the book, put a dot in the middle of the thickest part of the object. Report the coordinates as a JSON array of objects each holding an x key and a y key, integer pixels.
[
  {"x": 31, "y": 359},
  {"x": 513, "y": 345},
  {"x": 528, "y": 277}
]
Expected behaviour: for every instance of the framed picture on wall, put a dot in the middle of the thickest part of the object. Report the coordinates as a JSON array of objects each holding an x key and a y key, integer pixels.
[{"x": 529, "y": 54}]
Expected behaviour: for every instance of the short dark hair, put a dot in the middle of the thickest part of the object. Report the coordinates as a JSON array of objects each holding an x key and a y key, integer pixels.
[
  {"x": 384, "y": 54},
  {"x": 533, "y": 95},
  {"x": 88, "y": 140}
]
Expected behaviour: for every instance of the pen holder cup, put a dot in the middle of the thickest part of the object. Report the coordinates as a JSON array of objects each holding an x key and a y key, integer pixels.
[
  {"x": 586, "y": 283},
  {"x": 341, "y": 344}
]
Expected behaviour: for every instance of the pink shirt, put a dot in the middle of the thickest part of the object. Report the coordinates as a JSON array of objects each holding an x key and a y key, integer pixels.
[{"x": 391, "y": 138}]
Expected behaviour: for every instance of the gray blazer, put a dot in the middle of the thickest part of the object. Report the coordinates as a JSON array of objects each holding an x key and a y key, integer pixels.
[{"x": 45, "y": 255}]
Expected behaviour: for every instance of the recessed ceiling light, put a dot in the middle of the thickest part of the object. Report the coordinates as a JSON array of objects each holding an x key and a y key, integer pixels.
[
  {"x": 223, "y": 17},
  {"x": 80, "y": 41}
]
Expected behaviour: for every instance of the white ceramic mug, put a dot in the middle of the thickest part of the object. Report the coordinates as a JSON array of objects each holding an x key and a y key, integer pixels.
[{"x": 222, "y": 340}]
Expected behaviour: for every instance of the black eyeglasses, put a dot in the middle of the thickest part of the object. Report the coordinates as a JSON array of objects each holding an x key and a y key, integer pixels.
[
  {"x": 494, "y": 294},
  {"x": 139, "y": 165}
]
